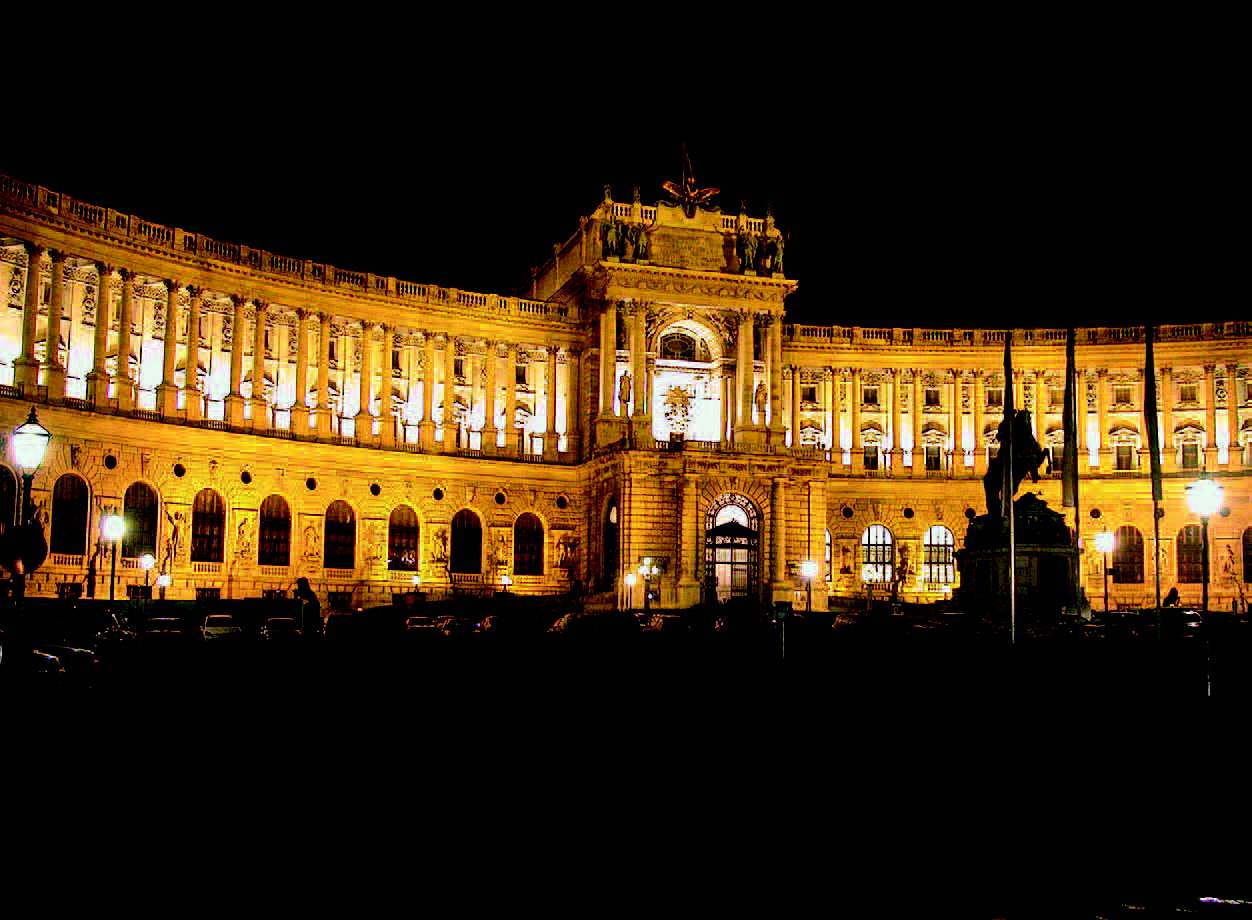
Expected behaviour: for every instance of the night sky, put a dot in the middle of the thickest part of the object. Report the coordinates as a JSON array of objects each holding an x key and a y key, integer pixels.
[{"x": 940, "y": 202}]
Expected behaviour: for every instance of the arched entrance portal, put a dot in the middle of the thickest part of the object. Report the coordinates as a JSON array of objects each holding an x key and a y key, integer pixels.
[
  {"x": 732, "y": 549},
  {"x": 686, "y": 387}
]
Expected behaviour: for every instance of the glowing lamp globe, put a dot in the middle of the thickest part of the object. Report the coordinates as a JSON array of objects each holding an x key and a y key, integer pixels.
[
  {"x": 1104, "y": 542},
  {"x": 506, "y": 580},
  {"x": 808, "y": 568},
  {"x": 30, "y": 440},
  {"x": 417, "y": 580},
  {"x": 112, "y": 527},
  {"x": 147, "y": 561},
  {"x": 163, "y": 580},
  {"x": 1204, "y": 497},
  {"x": 631, "y": 579}
]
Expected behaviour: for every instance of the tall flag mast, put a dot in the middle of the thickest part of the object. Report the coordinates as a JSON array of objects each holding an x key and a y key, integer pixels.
[
  {"x": 1154, "y": 455},
  {"x": 1006, "y": 491},
  {"x": 1069, "y": 460}
]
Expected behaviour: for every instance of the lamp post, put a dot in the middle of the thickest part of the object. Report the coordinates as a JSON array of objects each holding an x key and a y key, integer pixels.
[
  {"x": 30, "y": 441},
  {"x": 630, "y": 580},
  {"x": 1204, "y": 497},
  {"x": 808, "y": 568},
  {"x": 1104, "y": 544},
  {"x": 111, "y": 528},
  {"x": 163, "y": 582},
  {"x": 505, "y": 581}
]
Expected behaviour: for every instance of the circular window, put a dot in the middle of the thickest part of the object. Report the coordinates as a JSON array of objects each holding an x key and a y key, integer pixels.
[
  {"x": 438, "y": 494},
  {"x": 846, "y": 512},
  {"x": 1160, "y": 512},
  {"x": 245, "y": 477},
  {"x": 179, "y": 470},
  {"x": 970, "y": 514},
  {"x": 562, "y": 502},
  {"x": 1095, "y": 514},
  {"x": 500, "y": 499},
  {"x": 110, "y": 461},
  {"x": 375, "y": 489},
  {"x": 1225, "y": 512},
  {"x": 908, "y": 513},
  {"x": 310, "y": 483}
]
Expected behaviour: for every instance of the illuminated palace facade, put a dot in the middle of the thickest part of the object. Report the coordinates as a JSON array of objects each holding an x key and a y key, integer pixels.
[{"x": 259, "y": 417}]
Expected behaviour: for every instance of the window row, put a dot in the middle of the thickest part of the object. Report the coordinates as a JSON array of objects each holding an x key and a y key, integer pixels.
[
  {"x": 1127, "y": 568},
  {"x": 879, "y": 563},
  {"x": 140, "y": 507}
]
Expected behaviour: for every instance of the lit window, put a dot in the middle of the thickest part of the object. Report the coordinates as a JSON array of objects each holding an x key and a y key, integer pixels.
[
  {"x": 830, "y": 557},
  {"x": 1121, "y": 395},
  {"x": 1188, "y": 393},
  {"x": 1128, "y": 556},
  {"x": 1191, "y": 456},
  {"x": 1056, "y": 397},
  {"x": 1190, "y": 555},
  {"x": 871, "y": 457},
  {"x": 995, "y": 397},
  {"x": 1125, "y": 456},
  {"x": 877, "y": 554},
  {"x": 934, "y": 458},
  {"x": 808, "y": 394},
  {"x": 869, "y": 396},
  {"x": 937, "y": 557},
  {"x": 932, "y": 396}
]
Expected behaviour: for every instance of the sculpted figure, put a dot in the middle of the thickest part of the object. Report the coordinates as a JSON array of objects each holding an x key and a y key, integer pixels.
[
  {"x": 746, "y": 250},
  {"x": 623, "y": 391},
  {"x": 761, "y": 398},
  {"x": 777, "y": 256},
  {"x": 641, "y": 243},
  {"x": 610, "y": 238}
]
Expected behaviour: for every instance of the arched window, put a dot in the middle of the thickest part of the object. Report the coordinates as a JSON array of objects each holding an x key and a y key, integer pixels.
[
  {"x": 678, "y": 347},
  {"x": 402, "y": 540},
  {"x": 608, "y": 556},
  {"x": 69, "y": 516},
  {"x": 467, "y": 543},
  {"x": 8, "y": 498},
  {"x": 274, "y": 542},
  {"x": 1247, "y": 556},
  {"x": 1127, "y": 556},
  {"x": 1190, "y": 555},
  {"x": 527, "y": 545},
  {"x": 829, "y": 557},
  {"x": 937, "y": 564},
  {"x": 208, "y": 527},
  {"x": 877, "y": 554},
  {"x": 139, "y": 509},
  {"x": 340, "y": 537}
]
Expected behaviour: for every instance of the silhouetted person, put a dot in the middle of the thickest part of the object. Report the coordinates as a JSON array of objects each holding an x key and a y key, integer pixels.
[
  {"x": 1171, "y": 599},
  {"x": 310, "y": 609}
]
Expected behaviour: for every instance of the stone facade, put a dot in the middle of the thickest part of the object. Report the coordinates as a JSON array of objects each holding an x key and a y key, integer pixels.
[{"x": 321, "y": 385}]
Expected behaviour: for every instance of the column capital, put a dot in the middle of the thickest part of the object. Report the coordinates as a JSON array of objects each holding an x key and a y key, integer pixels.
[
  {"x": 104, "y": 269},
  {"x": 171, "y": 286},
  {"x": 260, "y": 306},
  {"x": 1210, "y": 369},
  {"x": 239, "y": 301},
  {"x": 384, "y": 328},
  {"x": 195, "y": 292},
  {"x": 34, "y": 250},
  {"x": 323, "y": 317},
  {"x": 1102, "y": 372},
  {"x": 302, "y": 314},
  {"x": 57, "y": 256},
  {"x": 127, "y": 275}
]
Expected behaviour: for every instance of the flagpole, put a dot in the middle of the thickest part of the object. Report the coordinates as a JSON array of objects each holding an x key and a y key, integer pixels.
[
  {"x": 1154, "y": 460},
  {"x": 1010, "y": 413}
]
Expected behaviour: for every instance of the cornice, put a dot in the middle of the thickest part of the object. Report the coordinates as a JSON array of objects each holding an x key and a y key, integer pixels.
[{"x": 699, "y": 288}]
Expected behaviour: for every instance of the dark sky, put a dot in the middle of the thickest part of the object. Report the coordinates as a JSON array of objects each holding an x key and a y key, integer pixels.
[{"x": 936, "y": 199}]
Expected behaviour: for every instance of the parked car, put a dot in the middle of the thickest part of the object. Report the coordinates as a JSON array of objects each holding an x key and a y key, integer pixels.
[
  {"x": 81, "y": 665},
  {"x": 164, "y": 628},
  {"x": 281, "y": 629},
  {"x": 459, "y": 626},
  {"x": 114, "y": 630},
  {"x": 220, "y": 626}
]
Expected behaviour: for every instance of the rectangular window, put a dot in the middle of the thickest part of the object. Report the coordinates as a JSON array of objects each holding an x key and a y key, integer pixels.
[
  {"x": 1125, "y": 456},
  {"x": 1056, "y": 397},
  {"x": 871, "y": 458},
  {"x": 1188, "y": 393},
  {"x": 395, "y": 359},
  {"x": 208, "y": 594},
  {"x": 1121, "y": 395},
  {"x": 273, "y": 594},
  {"x": 334, "y": 351},
  {"x": 995, "y": 397},
  {"x": 458, "y": 368},
  {"x": 69, "y": 590},
  {"x": 339, "y": 600},
  {"x": 932, "y": 396},
  {"x": 1058, "y": 458},
  {"x": 519, "y": 375},
  {"x": 1191, "y": 456},
  {"x": 808, "y": 394},
  {"x": 934, "y": 458},
  {"x": 869, "y": 396}
]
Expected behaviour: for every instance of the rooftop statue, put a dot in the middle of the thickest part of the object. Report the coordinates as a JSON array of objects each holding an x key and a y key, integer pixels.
[{"x": 687, "y": 193}]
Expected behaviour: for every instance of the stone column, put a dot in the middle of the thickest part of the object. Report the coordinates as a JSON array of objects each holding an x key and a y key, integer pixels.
[
  {"x": 743, "y": 368},
  {"x": 125, "y": 385},
  {"x": 364, "y": 421},
  {"x": 724, "y": 381},
  {"x": 1040, "y": 413},
  {"x": 260, "y": 412},
  {"x": 795, "y": 405},
  {"x": 919, "y": 453},
  {"x": 897, "y": 441},
  {"x": 234, "y": 400},
  {"x": 1166, "y": 403},
  {"x": 816, "y": 496},
  {"x": 774, "y": 355},
  {"x": 980, "y": 439},
  {"x": 858, "y": 446},
  {"x": 638, "y": 361},
  {"x": 549, "y": 430},
  {"x": 98, "y": 377},
  {"x": 573, "y": 402},
  {"x": 778, "y": 538},
  {"x": 449, "y": 393},
  {"x": 386, "y": 419},
  {"x": 1018, "y": 401},
  {"x": 836, "y": 415},
  {"x": 322, "y": 413},
  {"x": 956, "y": 423},
  {"x": 1234, "y": 454},
  {"x": 26, "y": 367},
  {"x": 300, "y": 406},
  {"x": 52, "y": 351},
  {"x": 426, "y": 428},
  {"x": 167, "y": 392},
  {"x": 1210, "y": 417},
  {"x": 191, "y": 358},
  {"x": 1102, "y": 416},
  {"x": 489, "y": 432},
  {"x": 510, "y": 400},
  {"x": 608, "y": 359}
]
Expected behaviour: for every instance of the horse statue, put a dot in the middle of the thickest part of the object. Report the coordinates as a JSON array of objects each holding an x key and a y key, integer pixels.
[{"x": 1027, "y": 455}]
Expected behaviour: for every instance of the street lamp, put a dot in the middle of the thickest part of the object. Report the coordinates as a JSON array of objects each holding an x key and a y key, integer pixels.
[
  {"x": 146, "y": 562},
  {"x": 808, "y": 568},
  {"x": 30, "y": 441},
  {"x": 630, "y": 580},
  {"x": 163, "y": 582},
  {"x": 1104, "y": 544},
  {"x": 506, "y": 580},
  {"x": 111, "y": 528},
  {"x": 1204, "y": 497}
]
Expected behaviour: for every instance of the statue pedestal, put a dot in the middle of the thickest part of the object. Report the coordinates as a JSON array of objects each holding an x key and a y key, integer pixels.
[
  {"x": 608, "y": 430},
  {"x": 750, "y": 436}
]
